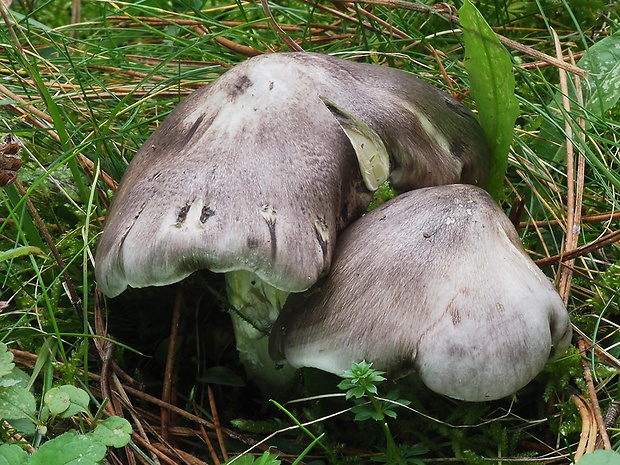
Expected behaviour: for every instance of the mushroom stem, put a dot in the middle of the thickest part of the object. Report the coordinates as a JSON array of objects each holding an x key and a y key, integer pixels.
[{"x": 255, "y": 306}]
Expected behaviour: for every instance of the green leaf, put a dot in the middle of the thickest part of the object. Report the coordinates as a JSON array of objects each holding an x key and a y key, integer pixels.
[
  {"x": 362, "y": 414},
  {"x": 69, "y": 449},
  {"x": 265, "y": 459},
  {"x": 66, "y": 401},
  {"x": 11, "y": 454},
  {"x": 258, "y": 427},
  {"x": 601, "y": 93},
  {"x": 492, "y": 85},
  {"x": 6, "y": 360},
  {"x": 20, "y": 252},
  {"x": 114, "y": 432},
  {"x": 16, "y": 403},
  {"x": 600, "y": 457},
  {"x": 603, "y": 81},
  {"x": 25, "y": 427}
]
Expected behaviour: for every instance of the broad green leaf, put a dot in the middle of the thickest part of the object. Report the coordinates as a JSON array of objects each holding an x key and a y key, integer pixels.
[
  {"x": 66, "y": 401},
  {"x": 11, "y": 454},
  {"x": 114, "y": 432},
  {"x": 16, "y": 403},
  {"x": 19, "y": 252},
  {"x": 6, "y": 360},
  {"x": 69, "y": 449},
  {"x": 603, "y": 81},
  {"x": 600, "y": 457},
  {"x": 492, "y": 85},
  {"x": 601, "y": 93},
  {"x": 57, "y": 401}
]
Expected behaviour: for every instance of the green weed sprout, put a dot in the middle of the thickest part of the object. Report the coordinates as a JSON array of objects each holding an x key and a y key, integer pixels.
[{"x": 360, "y": 383}]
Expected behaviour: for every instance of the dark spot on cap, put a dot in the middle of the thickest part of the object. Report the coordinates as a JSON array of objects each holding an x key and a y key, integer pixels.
[
  {"x": 320, "y": 230},
  {"x": 344, "y": 212},
  {"x": 239, "y": 87},
  {"x": 252, "y": 243},
  {"x": 272, "y": 234},
  {"x": 193, "y": 129},
  {"x": 455, "y": 315},
  {"x": 456, "y": 107},
  {"x": 206, "y": 213},
  {"x": 182, "y": 215}
]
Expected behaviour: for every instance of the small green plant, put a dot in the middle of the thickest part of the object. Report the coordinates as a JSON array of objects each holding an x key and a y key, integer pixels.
[
  {"x": 360, "y": 384},
  {"x": 21, "y": 420},
  {"x": 265, "y": 459}
]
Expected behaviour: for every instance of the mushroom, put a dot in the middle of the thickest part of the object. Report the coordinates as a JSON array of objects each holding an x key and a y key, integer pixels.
[
  {"x": 255, "y": 175},
  {"x": 437, "y": 281}
]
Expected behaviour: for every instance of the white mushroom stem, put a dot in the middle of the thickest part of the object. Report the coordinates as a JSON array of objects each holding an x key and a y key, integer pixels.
[{"x": 255, "y": 307}]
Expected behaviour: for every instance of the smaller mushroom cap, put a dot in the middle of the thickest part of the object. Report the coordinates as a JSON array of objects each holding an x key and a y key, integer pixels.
[{"x": 437, "y": 281}]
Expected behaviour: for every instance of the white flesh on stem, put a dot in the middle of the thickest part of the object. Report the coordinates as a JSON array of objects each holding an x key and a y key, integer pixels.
[
  {"x": 255, "y": 306},
  {"x": 372, "y": 156}
]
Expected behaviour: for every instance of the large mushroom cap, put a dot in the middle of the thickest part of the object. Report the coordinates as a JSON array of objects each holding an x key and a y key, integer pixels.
[
  {"x": 254, "y": 172},
  {"x": 435, "y": 280}
]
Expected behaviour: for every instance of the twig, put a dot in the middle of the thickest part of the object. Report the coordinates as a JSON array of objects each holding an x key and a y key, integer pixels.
[
  {"x": 392, "y": 30},
  {"x": 587, "y": 437},
  {"x": 238, "y": 48},
  {"x": 596, "y": 409},
  {"x": 574, "y": 180},
  {"x": 442, "y": 70},
  {"x": 154, "y": 450},
  {"x": 14, "y": 436},
  {"x": 600, "y": 243},
  {"x": 166, "y": 394},
  {"x": 455, "y": 20},
  {"x": 187, "y": 458},
  {"x": 207, "y": 440},
  {"x": 216, "y": 422},
  {"x": 290, "y": 43},
  {"x": 594, "y": 218}
]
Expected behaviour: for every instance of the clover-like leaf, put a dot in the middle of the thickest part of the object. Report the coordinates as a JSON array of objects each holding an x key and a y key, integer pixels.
[
  {"x": 70, "y": 448},
  {"x": 66, "y": 401},
  {"x": 113, "y": 431}
]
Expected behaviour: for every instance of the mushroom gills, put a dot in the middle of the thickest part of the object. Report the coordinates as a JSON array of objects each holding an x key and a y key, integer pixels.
[{"x": 372, "y": 156}]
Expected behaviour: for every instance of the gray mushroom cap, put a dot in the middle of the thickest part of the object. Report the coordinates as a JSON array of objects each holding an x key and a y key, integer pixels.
[
  {"x": 254, "y": 172},
  {"x": 437, "y": 281}
]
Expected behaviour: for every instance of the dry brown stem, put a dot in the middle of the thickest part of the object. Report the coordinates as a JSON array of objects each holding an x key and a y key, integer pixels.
[
  {"x": 596, "y": 409},
  {"x": 587, "y": 438}
]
